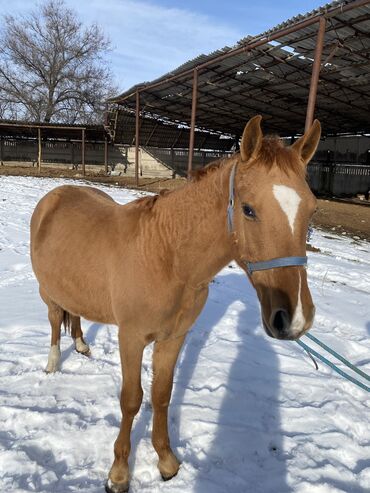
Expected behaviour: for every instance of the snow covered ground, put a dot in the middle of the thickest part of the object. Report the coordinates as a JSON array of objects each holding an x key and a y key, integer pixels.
[{"x": 248, "y": 414}]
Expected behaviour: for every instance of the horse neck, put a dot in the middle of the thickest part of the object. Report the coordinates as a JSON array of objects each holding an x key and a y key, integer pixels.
[{"x": 200, "y": 241}]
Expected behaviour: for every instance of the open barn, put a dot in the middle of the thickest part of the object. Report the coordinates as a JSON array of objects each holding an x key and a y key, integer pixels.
[{"x": 313, "y": 65}]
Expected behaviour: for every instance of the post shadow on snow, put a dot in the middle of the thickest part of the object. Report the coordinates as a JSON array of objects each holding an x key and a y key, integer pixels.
[{"x": 247, "y": 448}]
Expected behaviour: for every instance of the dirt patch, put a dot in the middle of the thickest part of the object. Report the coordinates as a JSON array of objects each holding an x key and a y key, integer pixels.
[
  {"x": 93, "y": 174},
  {"x": 339, "y": 217},
  {"x": 343, "y": 218}
]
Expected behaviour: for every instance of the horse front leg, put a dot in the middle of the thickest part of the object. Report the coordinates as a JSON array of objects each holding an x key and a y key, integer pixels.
[
  {"x": 164, "y": 360},
  {"x": 131, "y": 397}
]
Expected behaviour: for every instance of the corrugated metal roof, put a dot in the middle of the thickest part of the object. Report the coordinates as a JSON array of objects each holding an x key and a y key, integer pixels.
[{"x": 17, "y": 128}]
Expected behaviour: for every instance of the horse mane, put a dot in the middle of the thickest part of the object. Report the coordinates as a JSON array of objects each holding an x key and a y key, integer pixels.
[
  {"x": 149, "y": 202},
  {"x": 198, "y": 174},
  {"x": 273, "y": 152}
]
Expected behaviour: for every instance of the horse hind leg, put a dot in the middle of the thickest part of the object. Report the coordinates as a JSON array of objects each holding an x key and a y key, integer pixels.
[
  {"x": 55, "y": 314},
  {"x": 73, "y": 324}
]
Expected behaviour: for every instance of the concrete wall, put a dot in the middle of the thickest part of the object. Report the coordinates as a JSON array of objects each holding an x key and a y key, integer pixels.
[{"x": 149, "y": 166}]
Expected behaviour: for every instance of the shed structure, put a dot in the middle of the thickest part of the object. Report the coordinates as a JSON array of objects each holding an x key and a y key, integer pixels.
[
  {"x": 317, "y": 64},
  {"x": 42, "y": 142}
]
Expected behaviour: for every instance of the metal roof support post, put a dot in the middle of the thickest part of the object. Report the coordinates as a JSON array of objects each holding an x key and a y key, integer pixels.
[
  {"x": 315, "y": 74},
  {"x": 137, "y": 137},
  {"x": 39, "y": 157},
  {"x": 83, "y": 152},
  {"x": 1, "y": 150},
  {"x": 193, "y": 116},
  {"x": 106, "y": 155}
]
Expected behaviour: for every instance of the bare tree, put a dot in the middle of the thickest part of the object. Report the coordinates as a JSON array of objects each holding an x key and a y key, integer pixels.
[{"x": 52, "y": 68}]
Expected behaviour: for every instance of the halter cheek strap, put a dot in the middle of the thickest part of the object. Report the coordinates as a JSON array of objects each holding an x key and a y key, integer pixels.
[{"x": 266, "y": 264}]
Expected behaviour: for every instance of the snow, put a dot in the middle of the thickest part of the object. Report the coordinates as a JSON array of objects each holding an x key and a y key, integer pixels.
[{"x": 248, "y": 413}]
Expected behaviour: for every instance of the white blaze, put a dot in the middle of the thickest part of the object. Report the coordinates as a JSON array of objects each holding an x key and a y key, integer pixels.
[
  {"x": 298, "y": 321},
  {"x": 289, "y": 201}
]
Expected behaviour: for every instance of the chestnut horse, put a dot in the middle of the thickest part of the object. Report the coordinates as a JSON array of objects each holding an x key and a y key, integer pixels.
[{"x": 146, "y": 266}]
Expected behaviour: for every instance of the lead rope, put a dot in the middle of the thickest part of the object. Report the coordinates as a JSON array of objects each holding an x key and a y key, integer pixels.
[{"x": 348, "y": 377}]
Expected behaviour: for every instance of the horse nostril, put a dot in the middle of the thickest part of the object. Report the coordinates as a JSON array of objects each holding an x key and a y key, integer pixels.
[{"x": 280, "y": 320}]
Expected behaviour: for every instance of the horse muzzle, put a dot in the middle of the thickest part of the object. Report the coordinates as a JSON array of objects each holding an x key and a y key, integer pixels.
[{"x": 281, "y": 325}]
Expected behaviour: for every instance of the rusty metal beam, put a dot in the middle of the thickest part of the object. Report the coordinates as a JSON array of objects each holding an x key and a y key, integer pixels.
[
  {"x": 315, "y": 74},
  {"x": 137, "y": 137},
  {"x": 193, "y": 118},
  {"x": 45, "y": 127},
  {"x": 147, "y": 143},
  {"x": 106, "y": 155},
  {"x": 39, "y": 157},
  {"x": 83, "y": 152}
]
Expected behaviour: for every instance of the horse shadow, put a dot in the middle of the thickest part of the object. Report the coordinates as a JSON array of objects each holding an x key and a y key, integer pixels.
[
  {"x": 246, "y": 453},
  {"x": 92, "y": 332}
]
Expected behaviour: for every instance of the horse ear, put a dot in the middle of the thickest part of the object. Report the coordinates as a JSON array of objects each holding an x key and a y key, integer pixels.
[
  {"x": 307, "y": 144},
  {"x": 252, "y": 139}
]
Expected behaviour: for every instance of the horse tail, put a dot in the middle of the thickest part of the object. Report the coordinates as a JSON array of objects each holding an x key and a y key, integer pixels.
[{"x": 67, "y": 322}]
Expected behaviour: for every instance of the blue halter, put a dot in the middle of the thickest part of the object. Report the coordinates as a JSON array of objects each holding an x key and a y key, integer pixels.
[{"x": 266, "y": 264}]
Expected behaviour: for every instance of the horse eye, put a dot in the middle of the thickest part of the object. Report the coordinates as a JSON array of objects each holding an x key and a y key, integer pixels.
[{"x": 248, "y": 211}]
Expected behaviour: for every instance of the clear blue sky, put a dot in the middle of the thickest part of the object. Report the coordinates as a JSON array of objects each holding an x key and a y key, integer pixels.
[{"x": 151, "y": 37}]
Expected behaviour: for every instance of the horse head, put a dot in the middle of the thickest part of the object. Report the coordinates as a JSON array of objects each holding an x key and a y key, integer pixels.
[{"x": 269, "y": 213}]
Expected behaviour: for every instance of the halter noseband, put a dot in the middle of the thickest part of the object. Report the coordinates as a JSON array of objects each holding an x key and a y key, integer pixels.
[{"x": 266, "y": 264}]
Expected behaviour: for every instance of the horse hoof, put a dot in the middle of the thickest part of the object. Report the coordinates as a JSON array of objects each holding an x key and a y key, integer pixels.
[
  {"x": 85, "y": 353},
  {"x": 111, "y": 487},
  {"x": 168, "y": 467},
  {"x": 167, "y": 478},
  {"x": 50, "y": 369},
  {"x": 81, "y": 347}
]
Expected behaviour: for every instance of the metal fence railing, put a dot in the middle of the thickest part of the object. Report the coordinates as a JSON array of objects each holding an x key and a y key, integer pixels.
[{"x": 339, "y": 179}]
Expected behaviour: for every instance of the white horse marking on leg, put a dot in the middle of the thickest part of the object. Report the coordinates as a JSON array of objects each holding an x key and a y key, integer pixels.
[
  {"x": 81, "y": 347},
  {"x": 53, "y": 360}
]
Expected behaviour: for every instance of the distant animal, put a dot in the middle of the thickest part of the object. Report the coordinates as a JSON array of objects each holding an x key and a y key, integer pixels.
[{"x": 146, "y": 266}]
